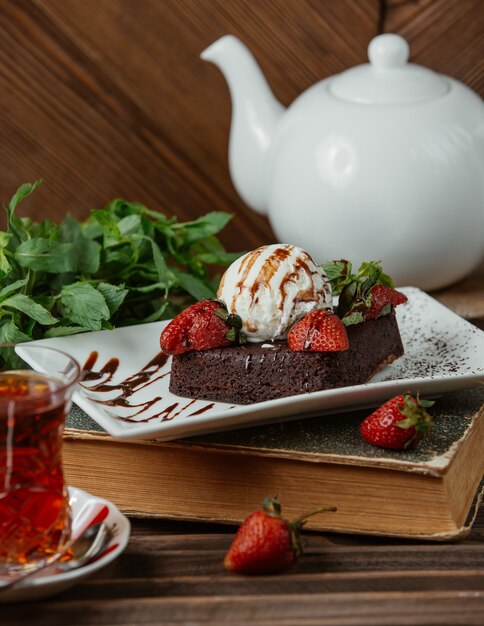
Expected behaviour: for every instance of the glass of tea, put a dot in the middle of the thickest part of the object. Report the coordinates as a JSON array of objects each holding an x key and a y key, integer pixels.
[{"x": 36, "y": 385}]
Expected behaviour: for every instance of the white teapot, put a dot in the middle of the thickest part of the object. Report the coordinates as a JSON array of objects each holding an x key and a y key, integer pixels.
[{"x": 384, "y": 161}]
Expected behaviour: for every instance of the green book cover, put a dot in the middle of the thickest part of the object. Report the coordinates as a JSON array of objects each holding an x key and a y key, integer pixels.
[{"x": 337, "y": 435}]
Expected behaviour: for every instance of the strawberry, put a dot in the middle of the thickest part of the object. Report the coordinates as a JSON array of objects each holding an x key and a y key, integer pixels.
[
  {"x": 318, "y": 331},
  {"x": 368, "y": 294},
  {"x": 265, "y": 542},
  {"x": 383, "y": 299},
  {"x": 398, "y": 424},
  {"x": 203, "y": 325}
]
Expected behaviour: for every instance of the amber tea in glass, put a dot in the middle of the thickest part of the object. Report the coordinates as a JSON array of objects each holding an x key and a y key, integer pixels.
[{"x": 34, "y": 505}]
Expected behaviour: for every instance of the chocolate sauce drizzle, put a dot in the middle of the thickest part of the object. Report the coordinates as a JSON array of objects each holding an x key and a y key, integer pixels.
[{"x": 101, "y": 382}]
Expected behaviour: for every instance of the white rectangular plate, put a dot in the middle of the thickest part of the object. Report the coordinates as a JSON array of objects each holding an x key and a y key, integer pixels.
[{"x": 443, "y": 353}]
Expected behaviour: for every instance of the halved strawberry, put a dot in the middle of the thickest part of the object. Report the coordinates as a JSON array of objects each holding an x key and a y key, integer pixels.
[
  {"x": 202, "y": 326},
  {"x": 318, "y": 331}
]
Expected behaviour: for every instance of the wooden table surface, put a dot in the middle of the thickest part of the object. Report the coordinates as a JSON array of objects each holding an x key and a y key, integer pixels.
[{"x": 171, "y": 573}]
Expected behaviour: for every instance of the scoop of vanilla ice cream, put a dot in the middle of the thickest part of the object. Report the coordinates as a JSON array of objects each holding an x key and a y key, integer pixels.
[{"x": 272, "y": 287}]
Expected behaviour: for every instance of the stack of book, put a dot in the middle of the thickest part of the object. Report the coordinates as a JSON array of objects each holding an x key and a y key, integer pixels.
[{"x": 430, "y": 492}]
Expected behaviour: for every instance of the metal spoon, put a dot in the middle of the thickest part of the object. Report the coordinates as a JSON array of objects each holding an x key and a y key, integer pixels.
[
  {"x": 91, "y": 543},
  {"x": 88, "y": 545}
]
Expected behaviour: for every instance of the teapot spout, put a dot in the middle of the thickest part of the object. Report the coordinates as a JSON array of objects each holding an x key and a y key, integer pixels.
[{"x": 255, "y": 112}]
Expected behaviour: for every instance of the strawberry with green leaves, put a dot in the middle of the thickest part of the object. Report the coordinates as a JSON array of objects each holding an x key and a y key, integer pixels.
[
  {"x": 398, "y": 424},
  {"x": 202, "y": 326},
  {"x": 383, "y": 299},
  {"x": 266, "y": 543},
  {"x": 368, "y": 294},
  {"x": 318, "y": 331}
]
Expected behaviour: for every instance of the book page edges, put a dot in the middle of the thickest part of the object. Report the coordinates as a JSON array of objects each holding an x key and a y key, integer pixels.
[
  {"x": 454, "y": 535},
  {"x": 465, "y": 474}
]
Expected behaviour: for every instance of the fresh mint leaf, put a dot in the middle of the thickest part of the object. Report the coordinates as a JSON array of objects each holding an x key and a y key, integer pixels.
[
  {"x": 150, "y": 219},
  {"x": 154, "y": 215},
  {"x": 24, "y": 304},
  {"x": 337, "y": 269},
  {"x": 11, "y": 333},
  {"x": 22, "y": 192},
  {"x": 373, "y": 272},
  {"x": 17, "y": 227},
  {"x": 46, "y": 229},
  {"x": 156, "y": 315},
  {"x": 165, "y": 276},
  {"x": 121, "y": 208},
  {"x": 121, "y": 257},
  {"x": 85, "y": 256},
  {"x": 386, "y": 310},
  {"x": 347, "y": 299},
  {"x": 339, "y": 274},
  {"x": 43, "y": 255},
  {"x": 85, "y": 253},
  {"x": 91, "y": 228},
  {"x": 69, "y": 229},
  {"x": 11, "y": 287},
  {"x": 114, "y": 295},
  {"x": 84, "y": 305},
  {"x": 353, "y": 318},
  {"x": 218, "y": 258},
  {"x": 129, "y": 225},
  {"x": 5, "y": 266},
  {"x": 210, "y": 251},
  {"x": 64, "y": 331},
  {"x": 111, "y": 233},
  {"x": 149, "y": 288},
  {"x": 194, "y": 286},
  {"x": 203, "y": 227}
]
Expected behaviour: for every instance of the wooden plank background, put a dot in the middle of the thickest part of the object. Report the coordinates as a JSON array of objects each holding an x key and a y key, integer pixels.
[{"x": 107, "y": 98}]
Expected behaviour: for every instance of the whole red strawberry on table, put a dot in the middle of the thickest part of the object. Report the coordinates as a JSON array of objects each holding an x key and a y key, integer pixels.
[
  {"x": 398, "y": 424},
  {"x": 266, "y": 543}
]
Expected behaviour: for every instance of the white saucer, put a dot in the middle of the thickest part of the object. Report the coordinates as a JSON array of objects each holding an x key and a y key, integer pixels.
[{"x": 86, "y": 510}]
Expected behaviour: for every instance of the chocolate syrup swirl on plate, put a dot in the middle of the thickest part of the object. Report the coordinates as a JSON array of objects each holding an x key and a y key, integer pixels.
[{"x": 100, "y": 388}]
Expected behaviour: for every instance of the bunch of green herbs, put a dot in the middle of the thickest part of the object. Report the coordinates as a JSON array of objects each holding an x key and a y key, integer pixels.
[{"x": 125, "y": 264}]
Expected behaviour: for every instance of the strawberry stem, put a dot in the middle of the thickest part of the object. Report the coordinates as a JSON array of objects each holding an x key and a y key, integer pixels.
[
  {"x": 272, "y": 506},
  {"x": 323, "y": 509}
]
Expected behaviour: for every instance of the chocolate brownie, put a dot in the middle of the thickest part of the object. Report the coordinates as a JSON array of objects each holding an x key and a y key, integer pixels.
[{"x": 255, "y": 372}]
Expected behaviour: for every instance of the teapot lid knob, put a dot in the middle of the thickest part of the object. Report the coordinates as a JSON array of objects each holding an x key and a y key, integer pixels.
[
  {"x": 388, "y": 78},
  {"x": 388, "y": 50}
]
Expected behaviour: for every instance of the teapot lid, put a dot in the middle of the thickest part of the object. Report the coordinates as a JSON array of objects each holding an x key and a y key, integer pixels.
[{"x": 388, "y": 78}]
